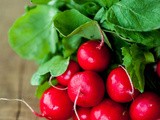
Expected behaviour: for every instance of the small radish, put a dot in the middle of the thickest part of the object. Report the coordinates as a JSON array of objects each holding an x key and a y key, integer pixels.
[
  {"x": 158, "y": 68},
  {"x": 88, "y": 86},
  {"x": 83, "y": 113},
  {"x": 92, "y": 56},
  {"x": 56, "y": 105},
  {"x": 119, "y": 86},
  {"x": 145, "y": 107},
  {"x": 109, "y": 110},
  {"x": 73, "y": 67}
]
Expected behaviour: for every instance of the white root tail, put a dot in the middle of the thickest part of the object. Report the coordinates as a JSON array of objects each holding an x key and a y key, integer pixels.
[
  {"x": 75, "y": 103},
  {"x": 21, "y": 100},
  {"x": 132, "y": 87},
  {"x": 102, "y": 38}
]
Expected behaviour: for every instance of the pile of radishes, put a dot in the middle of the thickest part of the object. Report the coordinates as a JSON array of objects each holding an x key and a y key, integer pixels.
[{"x": 94, "y": 94}]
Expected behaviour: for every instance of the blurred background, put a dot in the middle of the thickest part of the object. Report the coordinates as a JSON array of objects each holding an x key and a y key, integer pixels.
[{"x": 15, "y": 73}]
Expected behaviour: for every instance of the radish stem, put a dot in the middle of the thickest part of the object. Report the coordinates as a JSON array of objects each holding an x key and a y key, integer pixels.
[
  {"x": 102, "y": 37},
  {"x": 58, "y": 88}
]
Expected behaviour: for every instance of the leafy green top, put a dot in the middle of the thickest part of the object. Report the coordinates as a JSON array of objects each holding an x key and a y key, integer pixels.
[{"x": 51, "y": 31}]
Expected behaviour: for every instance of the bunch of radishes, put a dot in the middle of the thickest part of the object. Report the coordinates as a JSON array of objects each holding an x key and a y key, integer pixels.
[{"x": 94, "y": 94}]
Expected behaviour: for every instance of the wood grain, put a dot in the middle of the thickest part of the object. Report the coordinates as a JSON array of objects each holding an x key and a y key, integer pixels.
[{"x": 15, "y": 73}]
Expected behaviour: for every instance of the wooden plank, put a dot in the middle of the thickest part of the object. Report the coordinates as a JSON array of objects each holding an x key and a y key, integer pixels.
[
  {"x": 8, "y": 72},
  {"x": 12, "y": 68},
  {"x": 15, "y": 73},
  {"x": 28, "y": 94}
]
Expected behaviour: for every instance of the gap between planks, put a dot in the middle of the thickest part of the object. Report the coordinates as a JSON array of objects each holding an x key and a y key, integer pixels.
[
  {"x": 21, "y": 80},
  {"x": 20, "y": 86}
]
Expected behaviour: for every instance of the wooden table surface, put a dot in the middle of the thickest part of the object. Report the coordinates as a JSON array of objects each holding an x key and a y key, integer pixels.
[{"x": 15, "y": 73}]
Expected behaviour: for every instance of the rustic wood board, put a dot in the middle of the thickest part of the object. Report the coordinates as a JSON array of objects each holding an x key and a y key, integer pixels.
[{"x": 15, "y": 73}]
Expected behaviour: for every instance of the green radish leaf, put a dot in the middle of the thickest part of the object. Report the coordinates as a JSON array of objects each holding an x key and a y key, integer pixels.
[
  {"x": 32, "y": 36},
  {"x": 117, "y": 44},
  {"x": 109, "y": 3},
  {"x": 71, "y": 44},
  {"x": 38, "y": 79},
  {"x": 86, "y": 7},
  {"x": 82, "y": 1},
  {"x": 91, "y": 8},
  {"x": 99, "y": 15},
  {"x": 89, "y": 30},
  {"x": 157, "y": 52},
  {"x": 149, "y": 39},
  {"x": 41, "y": 88},
  {"x": 69, "y": 20},
  {"x": 135, "y": 15},
  {"x": 55, "y": 66},
  {"x": 59, "y": 66},
  {"x": 102, "y": 3},
  {"x": 40, "y": 1},
  {"x": 135, "y": 60}
]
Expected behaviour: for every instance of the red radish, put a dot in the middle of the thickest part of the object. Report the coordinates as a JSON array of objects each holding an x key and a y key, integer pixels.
[
  {"x": 158, "y": 68},
  {"x": 88, "y": 86},
  {"x": 92, "y": 57},
  {"x": 109, "y": 110},
  {"x": 158, "y": 117},
  {"x": 119, "y": 86},
  {"x": 83, "y": 113},
  {"x": 73, "y": 68},
  {"x": 56, "y": 105},
  {"x": 145, "y": 107}
]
